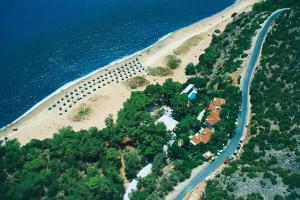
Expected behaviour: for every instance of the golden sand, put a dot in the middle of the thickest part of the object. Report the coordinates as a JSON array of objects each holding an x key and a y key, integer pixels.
[{"x": 42, "y": 123}]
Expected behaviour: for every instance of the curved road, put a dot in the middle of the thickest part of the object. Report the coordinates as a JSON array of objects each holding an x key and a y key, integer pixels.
[{"x": 244, "y": 114}]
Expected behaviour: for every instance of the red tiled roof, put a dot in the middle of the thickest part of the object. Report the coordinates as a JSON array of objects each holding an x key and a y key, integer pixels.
[
  {"x": 216, "y": 103},
  {"x": 204, "y": 137},
  {"x": 213, "y": 117},
  {"x": 215, "y": 107}
]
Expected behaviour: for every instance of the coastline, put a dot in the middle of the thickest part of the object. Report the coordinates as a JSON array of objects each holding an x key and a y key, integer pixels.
[
  {"x": 76, "y": 81},
  {"x": 37, "y": 123}
]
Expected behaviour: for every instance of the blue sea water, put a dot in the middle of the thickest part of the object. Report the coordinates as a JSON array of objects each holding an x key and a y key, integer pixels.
[{"x": 46, "y": 43}]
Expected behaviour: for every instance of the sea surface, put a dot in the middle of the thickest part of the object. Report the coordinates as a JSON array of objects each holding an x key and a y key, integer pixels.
[{"x": 45, "y": 44}]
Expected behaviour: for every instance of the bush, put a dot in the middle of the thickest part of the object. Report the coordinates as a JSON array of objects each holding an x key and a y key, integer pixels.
[
  {"x": 233, "y": 15},
  {"x": 217, "y": 31},
  {"x": 190, "y": 69},
  {"x": 133, "y": 164},
  {"x": 186, "y": 46},
  {"x": 172, "y": 61},
  {"x": 80, "y": 113},
  {"x": 160, "y": 71},
  {"x": 137, "y": 81}
]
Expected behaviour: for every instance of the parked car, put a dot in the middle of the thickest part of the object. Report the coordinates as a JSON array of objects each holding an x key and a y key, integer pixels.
[
  {"x": 236, "y": 152},
  {"x": 227, "y": 161},
  {"x": 231, "y": 157}
]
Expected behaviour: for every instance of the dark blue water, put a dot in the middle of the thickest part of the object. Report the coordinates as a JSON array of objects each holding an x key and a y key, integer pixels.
[{"x": 47, "y": 43}]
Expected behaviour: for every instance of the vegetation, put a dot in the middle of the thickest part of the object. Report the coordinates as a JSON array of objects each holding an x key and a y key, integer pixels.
[
  {"x": 190, "y": 69},
  {"x": 271, "y": 157},
  {"x": 217, "y": 31},
  {"x": 80, "y": 113},
  {"x": 134, "y": 163},
  {"x": 76, "y": 165},
  {"x": 160, "y": 71},
  {"x": 136, "y": 82},
  {"x": 172, "y": 61},
  {"x": 86, "y": 164},
  {"x": 187, "y": 45}
]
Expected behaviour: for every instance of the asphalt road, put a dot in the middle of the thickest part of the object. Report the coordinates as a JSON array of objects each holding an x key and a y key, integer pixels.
[{"x": 243, "y": 118}]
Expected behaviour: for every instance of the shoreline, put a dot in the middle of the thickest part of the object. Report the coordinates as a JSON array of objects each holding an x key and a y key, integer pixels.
[
  {"x": 76, "y": 81},
  {"x": 152, "y": 55}
]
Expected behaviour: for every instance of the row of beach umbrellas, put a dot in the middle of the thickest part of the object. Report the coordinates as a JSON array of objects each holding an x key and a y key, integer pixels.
[{"x": 119, "y": 72}]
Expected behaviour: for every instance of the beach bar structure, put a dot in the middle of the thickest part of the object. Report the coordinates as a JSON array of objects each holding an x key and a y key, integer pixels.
[
  {"x": 187, "y": 89},
  {"x": 191, "y": 91}
]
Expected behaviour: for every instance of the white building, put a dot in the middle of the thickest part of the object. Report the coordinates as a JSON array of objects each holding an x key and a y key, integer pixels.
[
  {"x": 168, "y": 121},
  {"x": 201, "y": 114},
  {"x": 187, "y": 89}
]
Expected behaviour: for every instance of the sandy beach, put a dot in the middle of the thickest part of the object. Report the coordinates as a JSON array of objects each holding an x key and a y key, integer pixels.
[{"x": 107, "y": 94}]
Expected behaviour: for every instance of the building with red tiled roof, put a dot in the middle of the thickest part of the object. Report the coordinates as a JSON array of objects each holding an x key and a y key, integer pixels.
[
  {"x": 216, "y": 104},
  {"x": 203, "y": 137},
  {"x": 213, "y": 117},
  {"x": 215, "y": 107}
]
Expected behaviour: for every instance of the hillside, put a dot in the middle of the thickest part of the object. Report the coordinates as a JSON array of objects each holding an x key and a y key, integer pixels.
[{"x": 269, "y": 165}]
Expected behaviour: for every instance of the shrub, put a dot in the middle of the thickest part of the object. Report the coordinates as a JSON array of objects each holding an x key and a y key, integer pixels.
[
  {"x": 160, "y": 71},
  {"x": 190, "y": 69},
  {"x": 217, "y": 31},
  {"x": 81, "y": 113},
  {"x": 136, "y": 82},
  {"x": 233, "y": 15},
  {"x": 172, "y": 61},
  {"x": 186, "y": 46}
]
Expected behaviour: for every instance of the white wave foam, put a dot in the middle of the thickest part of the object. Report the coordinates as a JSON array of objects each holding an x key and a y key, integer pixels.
[{"x": 71, "y": 83}]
